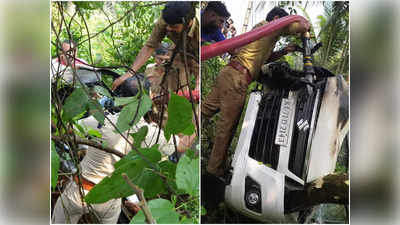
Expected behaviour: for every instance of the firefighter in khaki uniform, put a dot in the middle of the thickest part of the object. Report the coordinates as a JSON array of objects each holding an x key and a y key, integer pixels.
[
  {"x": 154, "y": 73},
  {"x": 229, "y": 93},
  {"x": 171, "y": 24}
]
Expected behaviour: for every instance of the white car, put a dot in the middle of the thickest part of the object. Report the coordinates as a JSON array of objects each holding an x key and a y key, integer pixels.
[{"x": 289, "y": 137}]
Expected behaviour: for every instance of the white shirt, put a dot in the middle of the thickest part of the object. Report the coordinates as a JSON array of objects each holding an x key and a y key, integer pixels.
[
  {"x": 66, "y": 71},
  {"x": 98, "y": 164}
]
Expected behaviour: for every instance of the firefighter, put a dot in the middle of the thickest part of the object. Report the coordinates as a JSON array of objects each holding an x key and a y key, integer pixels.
[{"x": 228, "y": 95}]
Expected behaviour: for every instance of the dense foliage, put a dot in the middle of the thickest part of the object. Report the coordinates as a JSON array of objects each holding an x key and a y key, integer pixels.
[{"x": 110, "y": 34}]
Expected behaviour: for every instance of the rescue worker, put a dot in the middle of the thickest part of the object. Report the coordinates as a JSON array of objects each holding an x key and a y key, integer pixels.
[
  {"x": 171, "y": 24},
  {"x": 154, "y": 73},
  {"x": 229, "y": 92}
]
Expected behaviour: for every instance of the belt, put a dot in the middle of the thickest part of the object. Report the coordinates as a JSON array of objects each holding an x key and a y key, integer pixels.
[
  {"x": 241, "y": 69},
  {"x": 87, "y": 185}
]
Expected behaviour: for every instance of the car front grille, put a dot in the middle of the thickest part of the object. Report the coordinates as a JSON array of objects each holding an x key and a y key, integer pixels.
[{"x": 262, "y": 146}]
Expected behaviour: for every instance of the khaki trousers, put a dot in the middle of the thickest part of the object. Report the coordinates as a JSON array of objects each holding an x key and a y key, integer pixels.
[
  {"x": 69, "y": 209},
  {"x": 227, "y": 97}
]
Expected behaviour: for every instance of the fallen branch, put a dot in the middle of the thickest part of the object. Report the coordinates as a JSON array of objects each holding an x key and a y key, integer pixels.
[
  {"x": 143, "y": 204},
  {"x": 333, "y": 188}
]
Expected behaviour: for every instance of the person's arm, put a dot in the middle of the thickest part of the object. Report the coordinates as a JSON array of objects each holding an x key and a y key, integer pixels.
[
  {"x": 158, "y": 33},
  {"x": 296, "y": 27},
  {"x": 293, "y": 28},
  {"x": 278, "y": 54},
  {"x": 141, "y": 59},
  {"x": 186, "y": 142}
]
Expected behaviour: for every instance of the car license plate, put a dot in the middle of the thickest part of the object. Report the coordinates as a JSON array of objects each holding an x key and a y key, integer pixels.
[{"x": 282, "y": 133}]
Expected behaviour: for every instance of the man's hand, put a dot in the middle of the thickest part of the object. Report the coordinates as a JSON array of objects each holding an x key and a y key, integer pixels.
[
  {"x": 117, "y": 82},
  {"x": 132, "y": 207},
  {"x": 141, "y": 59}
]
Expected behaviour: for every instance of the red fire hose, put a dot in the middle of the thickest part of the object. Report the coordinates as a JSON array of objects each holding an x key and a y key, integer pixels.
[{"x": 219, "y": 48}]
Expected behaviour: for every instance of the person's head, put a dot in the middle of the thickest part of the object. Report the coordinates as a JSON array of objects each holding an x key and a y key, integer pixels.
[
  {"x": 68, "y": 51},
  {"x": 214, "y": 16},
  {"x": 232, "y": 30},
  {"x": 175, "y": 15},
  {"x": 161, "y": 53},
  {"x": 276, "y": 13}
]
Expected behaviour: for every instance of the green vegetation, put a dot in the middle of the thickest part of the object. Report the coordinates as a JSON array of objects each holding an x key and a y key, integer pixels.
[{"x": 110, "y": 34}]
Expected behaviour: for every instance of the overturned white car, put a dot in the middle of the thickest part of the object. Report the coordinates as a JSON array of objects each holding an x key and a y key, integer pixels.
[{"x": 289, "y": 137}]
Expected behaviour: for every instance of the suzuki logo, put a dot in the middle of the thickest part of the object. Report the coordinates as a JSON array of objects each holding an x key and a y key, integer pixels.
[{"x": 303, "y": 125}]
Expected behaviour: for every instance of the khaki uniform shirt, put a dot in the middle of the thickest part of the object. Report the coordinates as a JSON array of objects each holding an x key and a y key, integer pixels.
[
  {"x": 253, "y": 55},
  {"x": 160, "y": 31},
  {"x": 177, "y": 78}
]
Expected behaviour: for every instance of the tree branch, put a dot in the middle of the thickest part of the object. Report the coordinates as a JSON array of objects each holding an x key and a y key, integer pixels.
[
  {"x": 139, "y": 192},
  {"x": 120, "y": 19},
  {"x": 333, "y": 188},
  {"x": 99, "y": 146}
]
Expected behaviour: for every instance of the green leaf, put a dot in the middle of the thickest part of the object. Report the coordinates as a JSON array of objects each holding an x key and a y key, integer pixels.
[
  {"x": 152, "y": 154},
  {"x": 203, "y": 211},
  {"x": 79, "y": 116},
  {"x": 139, "y": 136},
  {"x": 80, "y": 131},
  {"x": 150, "y": 182},
  {"x": 75, "y": 104},
  {"x": 168, "y": 169},
  {"x": 89, "y": 5},
  {"x": 189, "y": 129},
  {"x": 187, "y": 175},
  {"x": 124, "y": 100},
  {"x": 179, "y": 117},
  {"x": 102, "y": 91},
  {"x": 162, "y": 211},
  {"x": 129, "y": 111},
  {"x": 55, "y": 165},
  {"x": 191, "y": 154},
  {"x": 186, "y": 220},
  {"x": 96, "y": 110},
  {"x": 79, "y": 127},
  {"x": 94, "y": 133},
  {"x": 116, "y": 187}
]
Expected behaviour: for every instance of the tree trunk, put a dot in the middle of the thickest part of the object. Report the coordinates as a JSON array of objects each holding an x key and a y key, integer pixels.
[
  {"x": 345, "y": 58},
  {"x": 328, "y": 47},
  {"x": 343, "y": 55},
  {"x": 333, "y": 188}
]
